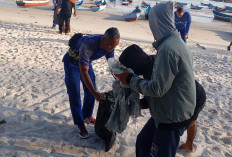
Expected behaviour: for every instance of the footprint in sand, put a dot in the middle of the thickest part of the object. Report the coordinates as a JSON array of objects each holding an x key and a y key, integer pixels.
[{"x": 226, "y": 140}]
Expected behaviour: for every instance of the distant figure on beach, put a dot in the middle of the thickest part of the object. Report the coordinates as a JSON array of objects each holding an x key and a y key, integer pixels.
[
  {"x": 78, "y": 68},
  {"x": 55, "y": 20},
  {"x": 65, "y": 13},
  {"x": 142, "y": 64},
  {"x": 182, "y": 22},
  {"x": 228, "y": 47},
  {"x": 171, "y": 92},
  {"x": 136, "y": 10}
]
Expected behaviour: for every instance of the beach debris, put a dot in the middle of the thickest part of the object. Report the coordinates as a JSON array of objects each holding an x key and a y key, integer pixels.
[
  {"x": 197, "y": 44},
  {"x": 26, "y": 116},
  {"x": 200, "y": 46},
  {"x": 214, "y": 111},
  {"x": 2, "y": 121}
]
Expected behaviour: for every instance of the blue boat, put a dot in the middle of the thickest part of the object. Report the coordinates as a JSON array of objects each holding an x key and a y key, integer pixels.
[
  {"x": 79, "y": 3},
  {"x": 210, "y": 6},
  {"x": 196, "y": 7},
  {"x": 179, "y": 4},
  {"x": 204, "y": 4},
  {"x": 222, "y": 16},
  {"x": 98, "y": 2},
  {"x": 229, "y": 8}
]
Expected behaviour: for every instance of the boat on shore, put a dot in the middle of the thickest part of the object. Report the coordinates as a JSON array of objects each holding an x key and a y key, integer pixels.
[
  {"x": 98, "y": 7},
  {"x": 223, "y": 16},
  {"x": 179, "y": 4},
  {"x": 131, "y": 17},
  {"x": 196, "y": 7},
  {"x": 32, "y": 3},
  {"x": 79, "y": 3}
]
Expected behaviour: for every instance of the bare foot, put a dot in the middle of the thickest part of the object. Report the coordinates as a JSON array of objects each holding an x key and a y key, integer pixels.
[{"x": 187, "y": 146}]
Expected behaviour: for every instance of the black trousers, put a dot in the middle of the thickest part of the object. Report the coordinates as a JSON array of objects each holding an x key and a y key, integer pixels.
[{"x": 64, "y": 18}]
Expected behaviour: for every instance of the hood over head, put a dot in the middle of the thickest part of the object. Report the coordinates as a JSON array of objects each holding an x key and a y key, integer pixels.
[
  {"x": 161, "y": 19},
  {"x": 135, "y": 58}
]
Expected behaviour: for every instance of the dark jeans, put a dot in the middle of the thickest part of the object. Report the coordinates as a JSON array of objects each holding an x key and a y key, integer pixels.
[
  {"x": 72, "y": 81},
  {"x": 64, "y": 18},
  {"x": 153, "y": 142}
]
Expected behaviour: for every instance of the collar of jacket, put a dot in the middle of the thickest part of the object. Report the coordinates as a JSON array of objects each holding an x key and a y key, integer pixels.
[{"x": 156, "y": 44}]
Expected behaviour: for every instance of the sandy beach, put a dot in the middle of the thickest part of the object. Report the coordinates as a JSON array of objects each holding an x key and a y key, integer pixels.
[{"x": 33, "y": 98}]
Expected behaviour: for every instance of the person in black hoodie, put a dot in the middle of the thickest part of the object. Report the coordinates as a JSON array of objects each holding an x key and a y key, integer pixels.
[{"x": 135, "y": 58}]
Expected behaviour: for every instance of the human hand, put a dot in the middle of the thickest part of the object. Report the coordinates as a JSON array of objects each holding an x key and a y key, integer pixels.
[
  {"x": 186, "y": 36},
  {"x": 57, "y": 10},
  {"x": 122, "y": 77},
  {"x": 98, "y": 96},
  {"x": 75, "y": 13}
]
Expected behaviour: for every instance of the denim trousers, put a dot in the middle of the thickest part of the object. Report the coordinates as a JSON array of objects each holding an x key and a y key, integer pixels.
[{"x": 72, "y": 81}]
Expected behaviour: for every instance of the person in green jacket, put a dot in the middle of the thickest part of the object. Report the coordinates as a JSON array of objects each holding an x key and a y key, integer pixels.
[{"x": 171, "y": 92}]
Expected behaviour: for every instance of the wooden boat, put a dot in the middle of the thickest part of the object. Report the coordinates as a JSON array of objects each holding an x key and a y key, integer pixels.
[
  {"x": 204, "y": 4},
  {"x": 144, "y": 4},
  {"x": 179, "y": 4},
  {"x": 228, "y": 8},
  {"x": 196, "y": 7},
  {"x": 98, "y": 2},
  {"x": 131, "y": 17},
  {"x": 223, "y": 16},
  {"x": 222, "y": 13},
  {"x": 125, "y": 3},
  {"x": 31, "y": 3},
  {"x": 211, "y": 6},
  {"x": 98, "y": 8},
  {"x": 79, "y": 3}
]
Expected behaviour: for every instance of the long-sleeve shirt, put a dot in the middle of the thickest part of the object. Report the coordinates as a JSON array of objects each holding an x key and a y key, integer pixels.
[{"x": 183, "y": 23}]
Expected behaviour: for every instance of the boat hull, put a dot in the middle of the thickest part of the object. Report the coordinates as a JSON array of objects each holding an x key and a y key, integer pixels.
[
  {"x": 32, "y": 3},
  {"x": 99, "y": 8},
  {"x": 226, "y": 19},
  {"x": 131, "y": 17}
]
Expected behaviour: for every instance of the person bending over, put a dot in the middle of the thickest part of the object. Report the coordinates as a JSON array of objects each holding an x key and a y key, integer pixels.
[{"x": 78, "y": 68}]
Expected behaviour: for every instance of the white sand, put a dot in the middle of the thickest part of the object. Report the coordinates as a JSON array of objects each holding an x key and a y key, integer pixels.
[{"x": 33, "y": 98}]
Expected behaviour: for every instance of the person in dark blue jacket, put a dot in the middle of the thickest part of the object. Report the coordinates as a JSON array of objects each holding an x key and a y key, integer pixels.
[
  {"x": 78, "y": 68},
  {"x": 182, "y": 22}
]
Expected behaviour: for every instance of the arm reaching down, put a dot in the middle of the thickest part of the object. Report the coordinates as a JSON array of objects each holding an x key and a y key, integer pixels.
[{"x": 88, "y": 82}]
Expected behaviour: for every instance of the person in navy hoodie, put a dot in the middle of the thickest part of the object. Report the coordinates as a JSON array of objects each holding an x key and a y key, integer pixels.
[
  {"x": 182, "y": 22},
  {"x": 78, "y": 68}
]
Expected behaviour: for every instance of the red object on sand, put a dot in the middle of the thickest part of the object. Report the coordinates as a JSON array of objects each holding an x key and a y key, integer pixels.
[{"x": 32, "y": 3}]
